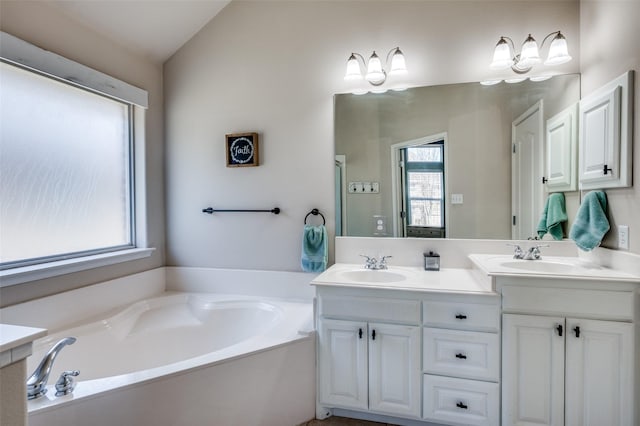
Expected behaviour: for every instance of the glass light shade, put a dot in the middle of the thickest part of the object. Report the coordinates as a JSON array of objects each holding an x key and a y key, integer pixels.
[
  {"x": 353, "y": 69},
  {"x": 502, "y": 58},
  {"x": 490, "y": 82},
  {"x": 529, "y": 55},
  {"x": 558, "y": 51},
  {"x": 514, "y": 80},
  {"x": 398, "y": 64},
  {"x": 375, "y": 74}
]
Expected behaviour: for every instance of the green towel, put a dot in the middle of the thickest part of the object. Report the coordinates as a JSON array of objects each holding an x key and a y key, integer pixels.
[
  {"x": 553, "y": 215},
  {"x": 315, "y": 248},
  {"x": 591, "y": 222}
]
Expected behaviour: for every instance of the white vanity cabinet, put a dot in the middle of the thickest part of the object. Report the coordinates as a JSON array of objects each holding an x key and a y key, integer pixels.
[
  {"x": 461, "y": 359},
  {"x": 431, "y": 357},
  {"x": 568, "y": 353},
  {"x": 369, "y": 353}
]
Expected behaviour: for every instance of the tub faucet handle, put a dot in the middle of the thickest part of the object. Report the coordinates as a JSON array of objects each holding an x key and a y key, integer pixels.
[
  {"x": 37, "y": 382},
  {"x": 65, "y": 383}
]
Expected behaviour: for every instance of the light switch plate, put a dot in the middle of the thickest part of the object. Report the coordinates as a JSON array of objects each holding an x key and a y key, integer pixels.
[{"x": 457, "y": 199}]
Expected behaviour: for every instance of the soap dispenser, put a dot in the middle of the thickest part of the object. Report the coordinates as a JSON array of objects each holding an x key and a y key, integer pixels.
[{"x": 431, "y": 261}]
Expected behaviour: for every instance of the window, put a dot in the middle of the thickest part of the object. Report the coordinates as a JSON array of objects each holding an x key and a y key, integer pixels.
[
  {"x": 66, "y": 161},
  {"x": 424, "y": 168}
]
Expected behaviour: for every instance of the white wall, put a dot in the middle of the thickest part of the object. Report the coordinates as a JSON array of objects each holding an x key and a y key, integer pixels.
[
  {"x": 45, "y": 26},
  {"x": 273, "y": 67},
  {"x": 609, "y": 36}
]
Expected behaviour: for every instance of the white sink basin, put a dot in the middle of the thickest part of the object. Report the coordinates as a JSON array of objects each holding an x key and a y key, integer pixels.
[
  {"x": 540, "y": 266},
  {"x": 374, "y": 276}
]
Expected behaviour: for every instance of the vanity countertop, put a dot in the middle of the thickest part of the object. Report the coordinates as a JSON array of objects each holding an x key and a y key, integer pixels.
[
  {"x": 572, "y": 268},
  {"x": 12, "y": 336},
  {"x": 16, "y": 342},
  {"x": 454, "y": 280}
]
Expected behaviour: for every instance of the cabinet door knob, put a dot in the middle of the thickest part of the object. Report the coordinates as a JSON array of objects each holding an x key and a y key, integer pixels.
[
  {"x": 559, "y": 328},
  {"x": 461, "y": 316},
  {"x": 360, "y": 333},
  {"x": 461, "y": 356},
  {"x": 462, "y": 405},
  {"x": 577, "y": 330}
]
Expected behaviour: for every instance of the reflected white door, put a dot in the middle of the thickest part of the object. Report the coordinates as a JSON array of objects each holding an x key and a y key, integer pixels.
[{"x": 526, "y": 172}]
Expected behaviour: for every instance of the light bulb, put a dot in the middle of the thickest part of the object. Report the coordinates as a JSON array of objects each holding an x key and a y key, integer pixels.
[
  {"x": 353, "y": 69},
  {"x": 529, "y": 55},
  {"x": 398, "y": 64},
  {"x": 502, "y": 58},
  {"x": 558, "y": 51},
  {"x": 375, "y": 74}
]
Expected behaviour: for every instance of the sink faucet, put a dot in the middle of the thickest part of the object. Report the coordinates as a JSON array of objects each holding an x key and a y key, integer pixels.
[
  {"x": 517, "y": 252},
  {"x": 37, "y": 382},
  {"x": 534, "y": 252},
  {"x": 375, "y": 264}
]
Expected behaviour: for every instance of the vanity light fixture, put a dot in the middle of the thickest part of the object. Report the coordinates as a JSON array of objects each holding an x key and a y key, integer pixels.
[
  {"x": 375, "y": 73},
  {"x": 505, "y": 57}
]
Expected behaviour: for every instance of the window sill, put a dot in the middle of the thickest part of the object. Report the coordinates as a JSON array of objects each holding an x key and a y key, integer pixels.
[{"x": 15, "y": 276}]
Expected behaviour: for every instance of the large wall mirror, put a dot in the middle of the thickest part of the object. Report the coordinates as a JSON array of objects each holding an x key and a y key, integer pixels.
[{"x": 439, "y": 161}]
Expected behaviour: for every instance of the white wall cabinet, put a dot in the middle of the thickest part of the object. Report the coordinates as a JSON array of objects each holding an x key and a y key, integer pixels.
[
  {"x": 559, "y": 369},
  {"x": 606, "y": 135}
]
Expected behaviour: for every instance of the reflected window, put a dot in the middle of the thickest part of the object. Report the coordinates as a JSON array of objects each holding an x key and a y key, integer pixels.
[{"x": 424, "y": 181}]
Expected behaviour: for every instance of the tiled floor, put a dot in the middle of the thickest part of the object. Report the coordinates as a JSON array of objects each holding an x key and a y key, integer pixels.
[{"x": 341, "y": 421}]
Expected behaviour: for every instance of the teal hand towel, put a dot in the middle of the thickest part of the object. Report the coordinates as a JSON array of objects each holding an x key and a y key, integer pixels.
[
  {"x": 553, "y": 215},
  {"x": 591, "y": 221},
  {"x": 315, "y": 248}
]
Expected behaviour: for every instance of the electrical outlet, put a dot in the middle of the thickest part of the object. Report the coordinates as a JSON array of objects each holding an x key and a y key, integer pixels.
[{"x": 623, "y": 237}]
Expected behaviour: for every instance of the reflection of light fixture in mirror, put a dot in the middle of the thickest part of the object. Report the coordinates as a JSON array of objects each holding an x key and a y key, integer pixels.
[
  {"x": 375, "y": 73},
  {"x": 504, "y": 56}
]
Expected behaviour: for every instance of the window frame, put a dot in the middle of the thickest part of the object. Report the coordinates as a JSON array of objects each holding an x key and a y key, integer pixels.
[
  {"x": 17, "y": 52},
  {"x": 426, "y": 166}
]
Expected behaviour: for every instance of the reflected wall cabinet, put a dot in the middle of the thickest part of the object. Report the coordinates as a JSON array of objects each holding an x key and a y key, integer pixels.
[
  {"x": 606, "y": 135},
  {"x": 561, "y": 151}
]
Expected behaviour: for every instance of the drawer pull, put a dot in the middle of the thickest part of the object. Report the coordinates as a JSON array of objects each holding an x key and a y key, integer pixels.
[
  {"x": 461, "y": 356},
  {"x": 559, "y": 328},
  {"x": 461, "y": 316},
  {"x": 373, "y": 335},
  {"x": 462, "y": 405},
  {"x": 360, "y": 333},
  {"x": 577, "y": 330}
]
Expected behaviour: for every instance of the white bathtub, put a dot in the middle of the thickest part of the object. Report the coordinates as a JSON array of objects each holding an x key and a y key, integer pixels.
[{"x": 182, "y": 358}]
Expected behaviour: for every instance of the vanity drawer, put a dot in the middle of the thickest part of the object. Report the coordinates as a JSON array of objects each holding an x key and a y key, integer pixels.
[
  {"x": 459, "y": 401},
  {"x": 600, "y": 304},
  {"x": 371, "y": 308},
  {"x": 463, "y": 316},
  {"x": 466, "y": 354}
]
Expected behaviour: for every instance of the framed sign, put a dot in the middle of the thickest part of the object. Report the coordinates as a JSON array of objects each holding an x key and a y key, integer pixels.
[{"x": 242, "y": 149}]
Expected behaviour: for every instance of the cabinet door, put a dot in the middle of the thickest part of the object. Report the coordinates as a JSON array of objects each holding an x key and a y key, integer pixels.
[
  {"x": 342, "y": 375},
  {"x": 600, "y": 139},
  {"x": 561, "y": 146},
  {"x": 532, "y": 370},
  {"x": 394, "y": 369},
  {"x": 599, "y": 379}
]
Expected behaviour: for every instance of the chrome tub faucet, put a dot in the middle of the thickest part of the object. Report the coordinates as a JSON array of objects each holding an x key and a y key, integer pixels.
[{"x": 37, "y": 382}]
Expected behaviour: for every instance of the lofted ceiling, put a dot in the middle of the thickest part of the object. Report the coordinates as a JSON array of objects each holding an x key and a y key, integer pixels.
[{"x": 154, "y": 28}]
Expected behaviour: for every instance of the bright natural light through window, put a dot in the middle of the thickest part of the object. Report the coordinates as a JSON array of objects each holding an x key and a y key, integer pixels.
[
  {"x": 65, "y": 170},
  {"x": 425, "y": 181}
]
